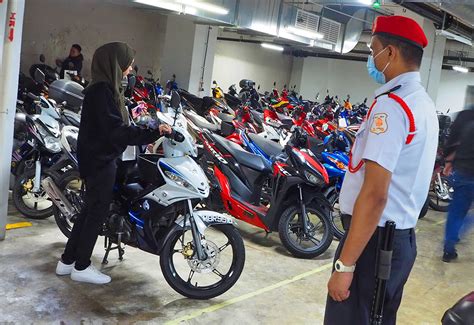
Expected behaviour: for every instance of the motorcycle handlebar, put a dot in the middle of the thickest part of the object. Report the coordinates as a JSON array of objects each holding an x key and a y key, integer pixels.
[{"x": 176, "y": 136}]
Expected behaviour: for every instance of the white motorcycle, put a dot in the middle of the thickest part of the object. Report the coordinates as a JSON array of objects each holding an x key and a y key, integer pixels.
[{"x": 201, "y": 252}]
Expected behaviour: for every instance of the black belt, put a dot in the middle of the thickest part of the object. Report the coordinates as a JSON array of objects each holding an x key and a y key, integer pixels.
[{"x": 346, "y": 222}]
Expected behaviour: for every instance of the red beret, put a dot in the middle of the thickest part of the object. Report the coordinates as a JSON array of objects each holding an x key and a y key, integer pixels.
[{"x": 403, "y": 28}]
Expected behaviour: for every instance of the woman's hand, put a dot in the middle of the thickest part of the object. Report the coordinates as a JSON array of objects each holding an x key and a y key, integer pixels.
[{"x": 165, "y": 129}]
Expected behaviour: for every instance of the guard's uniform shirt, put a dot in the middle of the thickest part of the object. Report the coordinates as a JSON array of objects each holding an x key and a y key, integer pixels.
[{"x": 382, "y": 139}]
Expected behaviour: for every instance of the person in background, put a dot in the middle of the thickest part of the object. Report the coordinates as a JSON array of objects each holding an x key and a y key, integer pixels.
[
  {"x": 459, "y": 155},
  {"x": 104, "y": 134},
  {"x": 72, "y": 63},
  {"x": 388, "y": 178}
]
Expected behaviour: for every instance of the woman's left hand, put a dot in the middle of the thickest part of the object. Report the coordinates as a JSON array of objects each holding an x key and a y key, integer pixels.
[{"x": 165, "y": 129}]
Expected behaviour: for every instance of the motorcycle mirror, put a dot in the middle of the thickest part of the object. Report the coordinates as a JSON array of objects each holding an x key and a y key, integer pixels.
[
  {"x": 214, "y": 82},
  {"x": 365, "y": 100},
  {"x": 42, "y": 58},
  {"x": 135, "y": 68},
  {"x": 325, "y": 127},
  {"x": 39, "y": 76},
  {"x": 258, "y": 88},
  {"x": 175, "y": 99},
  {"x": 274, "y": 84},
  {"x": 150, "y": 73},
  {"x": 284, "y": 86},
  {"x": 174, "y": 76}
]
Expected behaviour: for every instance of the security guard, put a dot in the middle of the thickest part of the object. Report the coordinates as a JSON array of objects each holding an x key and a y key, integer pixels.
[{"x": 389, "y": 174}]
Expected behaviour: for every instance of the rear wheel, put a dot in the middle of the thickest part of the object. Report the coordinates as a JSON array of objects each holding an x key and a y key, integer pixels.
[
  {"x": 34, "y": 205},
  {"x": 197, "y": 279},
  {"x": 315, "y": 240},
  {"x": 441, "y": 194},
  {"x": 70, "y": 184}
]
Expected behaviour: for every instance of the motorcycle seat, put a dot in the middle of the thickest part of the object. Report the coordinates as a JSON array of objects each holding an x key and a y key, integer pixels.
[
  {"x": 132, "y": 189},
  {"x": 202, "y": 123},
  {"x": 225, "y": 117},
  {"x": 285, "y": 119},
  {"x": 243, "y": 157},
  {"x": 271, "y": 148}
]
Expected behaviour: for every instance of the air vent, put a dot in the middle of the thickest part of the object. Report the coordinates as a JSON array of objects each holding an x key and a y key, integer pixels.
[
  {"x": 330, "y": 29},
  {"x": 307, "y": 21}
]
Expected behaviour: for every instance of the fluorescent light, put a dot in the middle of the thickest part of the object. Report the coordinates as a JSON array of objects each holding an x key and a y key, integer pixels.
[
  {"x": 204, "y": 6},
  {"x": 366, "y": 2},
  {"x": 161, "y": 4},
  {"x": 459, "y": 68},
  {"x": 273, "y": 47},
  {"x": 453, "y": 36},
  {"x": 304, "y": 33}
]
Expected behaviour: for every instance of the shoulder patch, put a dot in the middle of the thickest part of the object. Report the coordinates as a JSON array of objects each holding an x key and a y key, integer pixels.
[{"x": 379, "y": 123}]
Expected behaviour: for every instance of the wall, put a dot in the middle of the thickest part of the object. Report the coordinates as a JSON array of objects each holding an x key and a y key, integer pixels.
[
  {"x": 235, "y": 61},
  {"x": 340, "y": 77},
  {"x": 52, "y": 26},
  {"x": 452, "y": 90}
]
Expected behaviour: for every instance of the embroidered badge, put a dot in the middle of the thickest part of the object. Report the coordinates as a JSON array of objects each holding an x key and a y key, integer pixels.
[{"x": 379, "y": 124}]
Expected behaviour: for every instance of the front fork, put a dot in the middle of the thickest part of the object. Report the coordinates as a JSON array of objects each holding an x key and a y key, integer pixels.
[
  {"x": 37, "y": 180},
  {"x": 304, "y": 219},
  {"x": 196, "y": 234}
]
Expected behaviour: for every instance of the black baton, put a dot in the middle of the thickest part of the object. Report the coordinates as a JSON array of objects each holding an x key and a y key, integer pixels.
[{"x": 384, "y": 266}]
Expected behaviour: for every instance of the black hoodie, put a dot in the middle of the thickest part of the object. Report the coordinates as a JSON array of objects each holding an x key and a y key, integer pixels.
[{"x": 72, "y": 64}]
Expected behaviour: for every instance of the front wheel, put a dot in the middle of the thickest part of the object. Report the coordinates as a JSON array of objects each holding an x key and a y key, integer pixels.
[
  {"x": 310, "y": 243},
  {"x": 209, "y": 278},
  {"x": 336, "y": 220},
  {"x": 34, "y": 205}
]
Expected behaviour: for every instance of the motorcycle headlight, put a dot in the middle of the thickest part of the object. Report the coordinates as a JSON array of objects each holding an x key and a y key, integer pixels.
[
  {"x": 313, "y": 178},
  {"x": 179, "y": 180},
  {"x": 52, "y": 144}
]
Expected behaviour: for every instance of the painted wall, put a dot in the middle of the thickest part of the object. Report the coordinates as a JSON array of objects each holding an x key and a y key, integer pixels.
[
  {"x": 452, "y": 90},
  {"x": 338, "y": 76},
  {"x": 52, "y": 26},
  {"x": 235, "y": 61}
]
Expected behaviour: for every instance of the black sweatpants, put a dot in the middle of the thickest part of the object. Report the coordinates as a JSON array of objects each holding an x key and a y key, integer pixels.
[
  {"x": 86, "y": 229},
  {"x": 356, "y": 309}
]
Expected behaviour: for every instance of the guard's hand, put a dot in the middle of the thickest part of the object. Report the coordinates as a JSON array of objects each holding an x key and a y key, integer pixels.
[
  {"x": 165, "y": 129},
  {"x": 339, "y": 284}
]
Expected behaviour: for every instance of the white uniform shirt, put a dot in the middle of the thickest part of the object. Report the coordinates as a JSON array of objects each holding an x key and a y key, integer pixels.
[{"x": 382, "y": 139}]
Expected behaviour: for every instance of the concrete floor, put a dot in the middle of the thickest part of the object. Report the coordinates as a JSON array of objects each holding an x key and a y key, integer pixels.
[{"x": 274, "y": 288}]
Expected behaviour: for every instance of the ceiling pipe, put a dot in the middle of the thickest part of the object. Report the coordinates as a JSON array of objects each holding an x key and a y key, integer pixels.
[{"x": 436, "y": 16}]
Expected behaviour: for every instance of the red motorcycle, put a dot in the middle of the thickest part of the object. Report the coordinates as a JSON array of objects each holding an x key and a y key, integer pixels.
[{"x": 297, "y": 209}]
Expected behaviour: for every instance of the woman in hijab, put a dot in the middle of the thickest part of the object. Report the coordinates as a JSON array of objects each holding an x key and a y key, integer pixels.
[{"x": 104, "y": 134}]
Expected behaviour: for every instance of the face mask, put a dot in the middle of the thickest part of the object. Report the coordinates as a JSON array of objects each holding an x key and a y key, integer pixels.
[{"x": 374, "y": 73}]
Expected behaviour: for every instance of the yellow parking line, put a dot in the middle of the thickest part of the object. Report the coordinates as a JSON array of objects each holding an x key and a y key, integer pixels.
[
  {"x": 440, "y": 222},
  {"x": 246, "y": 296},
  {"x": 18, "y": 225}
]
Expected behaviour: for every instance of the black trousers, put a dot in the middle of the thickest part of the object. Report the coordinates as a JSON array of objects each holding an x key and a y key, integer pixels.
[
  {"x": 86, "y": 229},
  {"x": 356, "y": 309}
]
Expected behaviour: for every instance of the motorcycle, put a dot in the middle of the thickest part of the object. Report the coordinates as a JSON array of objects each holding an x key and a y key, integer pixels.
[
  {"x": 297, "y": 209},
  {"x": 202, "y": 254}
]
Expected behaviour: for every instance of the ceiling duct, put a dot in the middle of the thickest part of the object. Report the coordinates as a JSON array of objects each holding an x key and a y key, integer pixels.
[
  {"x": 306, "y": 21},
  {"x": 331, "y": 30}
]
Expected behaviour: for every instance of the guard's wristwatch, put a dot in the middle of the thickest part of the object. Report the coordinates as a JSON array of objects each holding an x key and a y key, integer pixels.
[{"x": 341, "y": 268}]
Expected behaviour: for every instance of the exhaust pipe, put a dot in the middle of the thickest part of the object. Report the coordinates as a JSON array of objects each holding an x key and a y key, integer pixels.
[{"x": 58, "y": 198}]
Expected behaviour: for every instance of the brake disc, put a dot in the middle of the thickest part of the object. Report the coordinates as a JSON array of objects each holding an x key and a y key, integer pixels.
[{"x": 210, "y": 263}]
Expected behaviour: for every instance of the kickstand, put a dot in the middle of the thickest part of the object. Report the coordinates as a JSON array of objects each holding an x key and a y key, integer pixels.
[{"x": 108, "y": 247}]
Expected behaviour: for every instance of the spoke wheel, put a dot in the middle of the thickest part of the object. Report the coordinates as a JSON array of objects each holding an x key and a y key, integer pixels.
[
  {"x": 70, "y": 184},
  {"x": 441, "y": 195},
  {"x": 32, "y": 205},
  {"x": 336, "y": 221},
  {"x": 310, "y": 243},
  {"x": 211, "y": 276}
]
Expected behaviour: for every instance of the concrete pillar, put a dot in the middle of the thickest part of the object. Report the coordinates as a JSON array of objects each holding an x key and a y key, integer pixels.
[
  {"x": 11, "y": 34},
  {"x": 432, "y": 60},
  {"x": 189, "y": 54}
]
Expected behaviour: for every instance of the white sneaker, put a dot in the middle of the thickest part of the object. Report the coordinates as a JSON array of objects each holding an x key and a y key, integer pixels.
[
  {"x": 90, "y": 275},
  {"x": 64, "y": 269}
]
